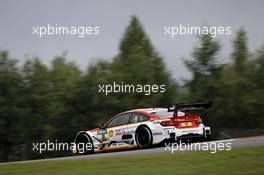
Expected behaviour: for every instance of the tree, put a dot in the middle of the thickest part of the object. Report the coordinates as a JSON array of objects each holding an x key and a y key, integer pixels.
[
  {"x": 36, "y": 102},
  {"x": 138, "y": 63},
  {"x": 240, "y": 53},
  {"x": 234, "y": 98},
  {"x": 256, "y": 92},
  {"x": 204, "y": 68},
  {"x": 95, "y": 107},
  {"x": 10, "y": 107},
  {"x": 65, "y": 80}
]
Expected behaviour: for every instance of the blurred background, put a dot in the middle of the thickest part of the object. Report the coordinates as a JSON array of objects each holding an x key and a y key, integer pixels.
[{"x": 49, "y": 86}]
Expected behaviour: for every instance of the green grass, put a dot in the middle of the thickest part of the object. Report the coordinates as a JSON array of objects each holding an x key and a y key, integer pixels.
[{"x": 237, "y": 161}]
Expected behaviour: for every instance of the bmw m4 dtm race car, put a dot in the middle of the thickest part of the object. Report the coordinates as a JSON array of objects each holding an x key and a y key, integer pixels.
[{"x": 143, "y": 128}]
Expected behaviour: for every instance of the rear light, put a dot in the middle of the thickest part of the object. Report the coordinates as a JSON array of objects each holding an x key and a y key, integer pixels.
[{"x": 168, "y": 123}]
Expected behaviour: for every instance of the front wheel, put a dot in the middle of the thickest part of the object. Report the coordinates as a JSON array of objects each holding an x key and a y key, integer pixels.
[
  {"x": 84, "y": 144},
  {"x": 143, "y": 137}
]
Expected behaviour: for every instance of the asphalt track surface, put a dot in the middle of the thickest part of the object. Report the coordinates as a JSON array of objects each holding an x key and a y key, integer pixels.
[{"x": 235, "y": 143}]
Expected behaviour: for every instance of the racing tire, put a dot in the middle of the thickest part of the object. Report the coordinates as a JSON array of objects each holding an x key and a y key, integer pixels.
[
  {"x": 143, "y": 137},
  {"x": 84, "y": 144},
  {"x": 207, "y": 138}
]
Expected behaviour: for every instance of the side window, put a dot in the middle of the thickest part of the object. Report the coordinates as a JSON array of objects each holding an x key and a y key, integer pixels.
[
  {"x": 119, "y": 120},
  {"x": 137, "y": 117}
]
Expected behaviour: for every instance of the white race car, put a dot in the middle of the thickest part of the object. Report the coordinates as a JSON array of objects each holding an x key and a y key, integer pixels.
[{"x": 143, "y": 128}]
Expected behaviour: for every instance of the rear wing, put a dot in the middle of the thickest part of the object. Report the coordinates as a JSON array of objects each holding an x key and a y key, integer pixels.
[{"x": 187, "y": 107}]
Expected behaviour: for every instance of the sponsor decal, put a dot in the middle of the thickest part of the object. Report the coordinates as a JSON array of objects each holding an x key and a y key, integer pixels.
[
  {"x": 157, "y": 133},
  {"x": 119, "y": 132},
  {"x": 156, "y": 122},
  {"x": 123, "y": 132},
  {"x": 114, "y": 144},
  {"x": 117, "y": 144},
  {"x": 102, "y": 132},
  {"x": 111, "y": 133}
]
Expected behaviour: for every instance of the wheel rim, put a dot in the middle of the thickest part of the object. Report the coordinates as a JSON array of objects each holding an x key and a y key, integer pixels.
[{"x": 143, "y": 137}]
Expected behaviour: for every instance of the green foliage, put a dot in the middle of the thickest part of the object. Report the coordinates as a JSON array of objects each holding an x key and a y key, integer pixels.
[
  {"x": 138, "y": 63},
  {"x": 235, "y": 88},
  {"x": 39, "y": 102},
  {"x": 242, "y": 161},
  {"x": 10, "y": 105},
  {"x": 240, "y": 54},
  {"x": 205, "y": 68}
]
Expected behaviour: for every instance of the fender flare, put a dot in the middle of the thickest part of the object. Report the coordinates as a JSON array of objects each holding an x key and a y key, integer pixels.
[{"x": 84, "y": 133}]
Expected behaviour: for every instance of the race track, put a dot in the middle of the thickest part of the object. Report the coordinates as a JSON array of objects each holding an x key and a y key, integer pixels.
[{"x": 235, "y": 143}]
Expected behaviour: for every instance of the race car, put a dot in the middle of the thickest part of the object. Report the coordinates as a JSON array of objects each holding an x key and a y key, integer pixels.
[{"x": 142, "y": 128}]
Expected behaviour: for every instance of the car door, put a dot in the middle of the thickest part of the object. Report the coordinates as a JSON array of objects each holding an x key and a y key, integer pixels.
[
  {"x": 117, "y": 127},
  {"x": 137, "y": 118}
]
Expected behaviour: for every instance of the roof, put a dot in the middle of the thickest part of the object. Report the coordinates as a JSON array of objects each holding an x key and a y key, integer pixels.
[
  {"x": 148, "y": 110},
  {"x": 155, "y": 111}
]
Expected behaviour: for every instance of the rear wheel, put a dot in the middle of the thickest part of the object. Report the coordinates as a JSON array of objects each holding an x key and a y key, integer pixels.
[
  {"x": 143, "y": 137},
  {"x": 84, "y": 144}
]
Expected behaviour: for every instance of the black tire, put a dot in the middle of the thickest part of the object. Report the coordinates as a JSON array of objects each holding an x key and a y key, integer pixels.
[
  {"x": 143, "y": 137},
  {"x": 81, "y": 141},
  {"x": 207, "y": 138}
]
